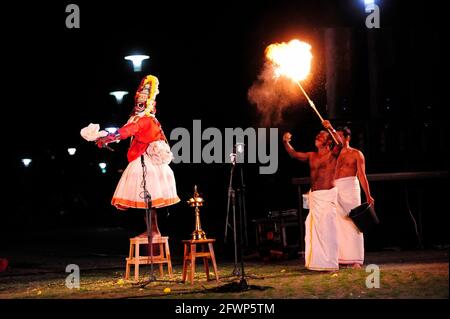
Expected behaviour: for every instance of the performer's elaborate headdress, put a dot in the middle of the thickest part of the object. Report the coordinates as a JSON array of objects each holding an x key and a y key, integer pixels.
[{"x": 148, "y": 86}]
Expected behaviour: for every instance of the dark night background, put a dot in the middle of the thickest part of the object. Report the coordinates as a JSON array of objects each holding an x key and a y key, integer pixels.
[{"x": 388, "y": 87}]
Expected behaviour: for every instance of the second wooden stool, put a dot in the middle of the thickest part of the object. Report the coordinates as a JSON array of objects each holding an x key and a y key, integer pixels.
[{"x": 191, "y": 253}]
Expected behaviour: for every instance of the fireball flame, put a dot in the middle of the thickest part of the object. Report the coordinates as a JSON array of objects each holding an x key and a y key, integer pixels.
[{"x": 292, "y": 59}]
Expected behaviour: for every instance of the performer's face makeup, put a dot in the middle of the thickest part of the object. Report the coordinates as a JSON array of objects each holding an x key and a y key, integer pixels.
[{"x": 142, "y": 97}]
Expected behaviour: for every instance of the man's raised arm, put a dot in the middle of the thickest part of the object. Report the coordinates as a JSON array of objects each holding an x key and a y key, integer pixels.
[{"x": 293, "y": 153}]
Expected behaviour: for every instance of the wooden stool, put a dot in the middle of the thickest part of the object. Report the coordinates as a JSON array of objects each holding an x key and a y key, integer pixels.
[
  {"x": 136, "y": 259},
  {"x": 190, "y": 254}
]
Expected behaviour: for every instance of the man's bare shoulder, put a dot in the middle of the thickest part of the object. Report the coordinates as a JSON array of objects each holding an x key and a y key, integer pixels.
[{"x": 356, "y": 152}]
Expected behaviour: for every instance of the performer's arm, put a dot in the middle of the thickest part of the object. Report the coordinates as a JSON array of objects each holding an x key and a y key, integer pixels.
[
  {"x": 361, "y": 166},
  {"x": 124, "y": 132},
  {"x": 291, "y": 151},
  {"x": 145, "y": 124},
  {"x": 149, "y": 130},
  {"x": 128, "y": 130},
  {"x": 104, "y": 141}
]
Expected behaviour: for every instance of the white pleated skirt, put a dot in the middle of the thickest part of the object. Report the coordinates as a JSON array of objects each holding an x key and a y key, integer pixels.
[{"x": 159, "y": 177}]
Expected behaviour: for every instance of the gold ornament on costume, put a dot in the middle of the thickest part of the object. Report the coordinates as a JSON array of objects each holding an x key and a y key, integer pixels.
[{"x": 197, "y": 201}]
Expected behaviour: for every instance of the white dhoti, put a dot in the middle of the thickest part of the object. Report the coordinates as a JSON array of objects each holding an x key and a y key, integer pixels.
[
  {"x": 321, "y": 246},
  {"x": 350, "y": 239}
]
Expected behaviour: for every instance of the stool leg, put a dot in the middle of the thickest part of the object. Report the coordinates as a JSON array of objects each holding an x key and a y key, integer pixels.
[
  {"x": 127, "y": 270},
  {"x": 136, "y": 262},
  {"x": 127, "y": 267},
  {"x": 193, "y": 252},
  {"x": 205, "y": 262},
  {"x": 161, "y": 256},
  {"x": 185, "y": 257},
  {"x": 169, "y": 262},
  {"x": 213, "y": 260}
]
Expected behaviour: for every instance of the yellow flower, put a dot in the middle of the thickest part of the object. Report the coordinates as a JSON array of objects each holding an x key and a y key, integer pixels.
[{"x": 167, "y": 290}]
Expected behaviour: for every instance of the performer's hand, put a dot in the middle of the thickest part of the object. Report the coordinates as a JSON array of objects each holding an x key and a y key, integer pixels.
[
  {"x": 287, "y": 137},
  {"x": 370, "y": 200},
  {"x": 103, "y": 141},
  {"x": 326, "y": 124}
]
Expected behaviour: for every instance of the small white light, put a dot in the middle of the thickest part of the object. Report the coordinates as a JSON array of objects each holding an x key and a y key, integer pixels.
[
  {"x": 102, "y": 165},
  {"x": 137, "y": 61},
  {"x": 369, "y": 5},
  {"x": 118, "y": 95},
  {"x": 240, "y": 147},
  {"x": 71, "y": 150},
  {"x": 111, "y": 130},
  {"x": 26, "y": 161}
]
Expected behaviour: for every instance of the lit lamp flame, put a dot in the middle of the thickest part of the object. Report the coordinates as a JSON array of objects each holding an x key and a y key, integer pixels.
[{"x": 293, "y": 60}]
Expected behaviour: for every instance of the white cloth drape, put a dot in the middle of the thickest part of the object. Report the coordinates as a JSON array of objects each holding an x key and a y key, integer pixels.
[
  {"x": 321, "y": 246},
  {"x": 350, "y": 239}
]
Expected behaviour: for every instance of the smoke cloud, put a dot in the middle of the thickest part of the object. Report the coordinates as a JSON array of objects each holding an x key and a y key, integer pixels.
[{"x": 272, "y": 96}]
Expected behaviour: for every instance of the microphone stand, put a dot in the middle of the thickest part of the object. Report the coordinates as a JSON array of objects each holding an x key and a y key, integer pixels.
[
  {"x": 232, "y": 199},
  {"x": 148, "y": 221},
  {"x": 244, "y": 210},
  {"x": 242, "y": 282},
  {"x": 242, "y": 285}
]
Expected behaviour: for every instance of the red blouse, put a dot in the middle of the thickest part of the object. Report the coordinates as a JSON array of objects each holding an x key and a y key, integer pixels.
[{"x": 145, "y": 130}]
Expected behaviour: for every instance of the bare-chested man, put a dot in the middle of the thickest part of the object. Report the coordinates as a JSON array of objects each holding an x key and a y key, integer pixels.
[
  {"x": 350, "y": 172},
  {"x": 321, "y": 246}
]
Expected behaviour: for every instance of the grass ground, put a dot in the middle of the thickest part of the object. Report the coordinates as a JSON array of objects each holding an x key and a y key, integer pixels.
[{"x": 419, "y": 274}]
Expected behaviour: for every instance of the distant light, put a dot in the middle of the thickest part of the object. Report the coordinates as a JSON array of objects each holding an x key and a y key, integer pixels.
[
  {"x": 137, "y": 61},
  {"x": 111, "y": 130},
  {"x": 369, "y": 5},
  {"x": 240, "y": 147},
  {"x": 26, "y": 161},
  {"x": 118, "y": 95},
  {"x": 72, "y": 150},
  {"x": 102, "y": 167}
]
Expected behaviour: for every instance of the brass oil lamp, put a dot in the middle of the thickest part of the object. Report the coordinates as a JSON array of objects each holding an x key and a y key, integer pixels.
[{"x": 197, "y": 201}]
